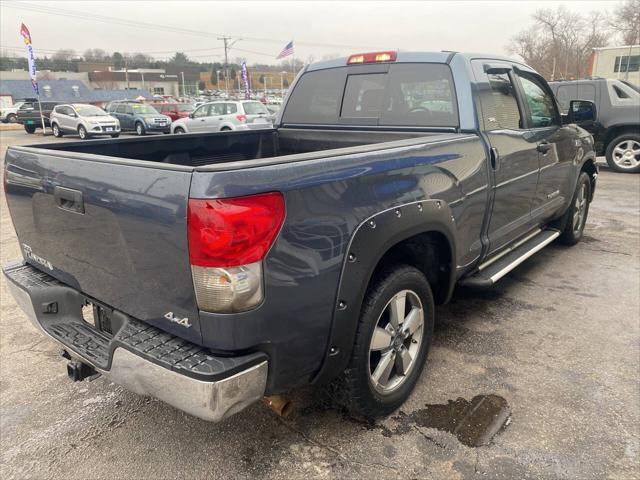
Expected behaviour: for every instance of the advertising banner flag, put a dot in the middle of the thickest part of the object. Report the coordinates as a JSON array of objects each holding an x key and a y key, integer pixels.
[
  {"x": 245, "y": 79},
  {"x": 26, "y": 35}
]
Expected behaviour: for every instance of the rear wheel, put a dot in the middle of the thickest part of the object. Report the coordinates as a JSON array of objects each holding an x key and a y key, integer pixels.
[
  {"x": 623, "y": 153},
  {"x": 576, "y": 216},
  {"x": 82, "y": 132},
  {"x": 139, "y": 129},
  {"x": 392, "y": 342},
  {"x": 56, "y": 130},
  {"x": 225, "y": 129},
  {"x": 30, "y": 128}
]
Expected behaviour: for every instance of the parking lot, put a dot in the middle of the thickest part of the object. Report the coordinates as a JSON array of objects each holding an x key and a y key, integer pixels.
[{"x": 558, "y": 339}]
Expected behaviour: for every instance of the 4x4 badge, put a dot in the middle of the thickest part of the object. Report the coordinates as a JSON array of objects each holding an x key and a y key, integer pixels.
[{"x": 180, "y": 321}]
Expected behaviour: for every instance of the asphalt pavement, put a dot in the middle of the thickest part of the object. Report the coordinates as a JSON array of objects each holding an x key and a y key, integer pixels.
[{"x": 555, "y": 345}]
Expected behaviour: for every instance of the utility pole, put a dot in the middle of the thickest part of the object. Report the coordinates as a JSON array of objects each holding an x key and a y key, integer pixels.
[{"x": 227, "y": 46}]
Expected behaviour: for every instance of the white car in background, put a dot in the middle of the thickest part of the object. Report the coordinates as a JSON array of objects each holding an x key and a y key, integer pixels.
[
  {"x": 10, "y": 114},
  {"x": 84, "y": 120},
  {"x": 224, "y": 116}
]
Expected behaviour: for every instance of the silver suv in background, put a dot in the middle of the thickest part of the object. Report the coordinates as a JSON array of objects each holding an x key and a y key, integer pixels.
[
  {"x": 225, "y": 115},
  {"x": 84, "y": 120}
]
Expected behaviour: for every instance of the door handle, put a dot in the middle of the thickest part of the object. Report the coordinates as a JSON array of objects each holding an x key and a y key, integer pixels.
[
  {"x": 543, "y": 147},
  {"x": 69, "y": 199},
  {"x": 495, "y": 158}
]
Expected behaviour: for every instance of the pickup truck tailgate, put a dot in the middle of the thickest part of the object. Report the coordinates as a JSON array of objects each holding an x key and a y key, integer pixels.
[{"x": 114, "y": 230}]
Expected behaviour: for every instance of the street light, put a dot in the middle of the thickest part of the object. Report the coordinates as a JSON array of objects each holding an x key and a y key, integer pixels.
[{"x": 282, "y": 83}]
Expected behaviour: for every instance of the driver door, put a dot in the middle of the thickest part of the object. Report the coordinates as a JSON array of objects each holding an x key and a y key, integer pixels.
[{"x": 198, "y": 122}]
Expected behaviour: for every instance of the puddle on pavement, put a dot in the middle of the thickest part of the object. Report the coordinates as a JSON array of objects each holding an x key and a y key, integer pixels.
[{"x": 473, "y": 422}]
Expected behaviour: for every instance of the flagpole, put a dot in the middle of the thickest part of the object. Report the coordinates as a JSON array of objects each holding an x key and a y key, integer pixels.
[{"x": 41, "y": 115}]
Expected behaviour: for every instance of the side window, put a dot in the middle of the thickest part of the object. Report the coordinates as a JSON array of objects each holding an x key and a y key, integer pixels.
[
  {"x": 128, "y": 109},
  {"x": 218, "y": 109},
  {"x": 121, "y": 108},
  {"x": 619, "y": 92},
  {"x": 231, "y": 108},
  {"x": 540, "y": 102},
  {"x": 202, "y": 111},
  {"x": 499, "y": 105}
]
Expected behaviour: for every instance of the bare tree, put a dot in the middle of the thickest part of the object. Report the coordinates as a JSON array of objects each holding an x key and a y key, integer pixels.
[
  {"x": 626, "y": 22},
  {"x": 560, "y": 42}
]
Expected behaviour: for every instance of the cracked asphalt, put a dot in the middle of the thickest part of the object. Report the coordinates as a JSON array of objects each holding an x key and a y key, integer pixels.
[{"x": 559, "y": 339}]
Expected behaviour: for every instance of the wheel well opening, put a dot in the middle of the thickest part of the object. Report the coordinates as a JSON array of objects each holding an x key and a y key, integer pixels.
[
  {"x": 618, "y": 131},
  {"x": 430, "y": 253}
]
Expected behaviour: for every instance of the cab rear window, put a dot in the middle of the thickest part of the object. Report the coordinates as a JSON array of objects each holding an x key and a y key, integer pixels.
[{"x": 415, "y": 95}]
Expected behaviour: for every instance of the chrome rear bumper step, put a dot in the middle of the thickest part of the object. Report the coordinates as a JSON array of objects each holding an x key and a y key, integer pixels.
[{"x": 495, "y": 268}]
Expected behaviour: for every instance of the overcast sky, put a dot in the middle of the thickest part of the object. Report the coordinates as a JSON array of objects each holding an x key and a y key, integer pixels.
[{"x": 317, "y": 28}]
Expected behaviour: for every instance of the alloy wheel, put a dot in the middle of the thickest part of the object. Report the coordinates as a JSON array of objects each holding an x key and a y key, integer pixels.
[
  {"x": 396, "y": 341},
  {"x": 580, "y": 209},
  {"x": 626, "y": 154}
]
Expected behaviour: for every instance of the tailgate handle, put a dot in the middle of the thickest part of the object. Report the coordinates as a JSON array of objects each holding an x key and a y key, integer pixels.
[{"x": 69, "y": 199}]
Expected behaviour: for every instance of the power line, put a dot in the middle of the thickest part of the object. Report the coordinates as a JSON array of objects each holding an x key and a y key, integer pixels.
[{"x": 137, "y": 24}]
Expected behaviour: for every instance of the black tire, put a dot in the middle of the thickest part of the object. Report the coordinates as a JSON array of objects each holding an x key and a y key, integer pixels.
[
  {"x": 356, "y": 386},
  {"x": 82, "y": 132},
  {"x": 615, "y": 157},
  {"x": 30, "y": 129},
  {"x": 56, "y": 130},
  {"x": 12, "y": 118},
  {"x": 225, "y": 129},
  {"x": 179, "y": 130},
  {"x": 115, "y": 135},
  {"x": 572, "y": 231},
  {"x": 140, "y": 129}
]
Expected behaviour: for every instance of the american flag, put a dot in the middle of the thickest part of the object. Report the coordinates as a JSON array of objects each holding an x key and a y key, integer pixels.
[{"x": 286, "y": 51}]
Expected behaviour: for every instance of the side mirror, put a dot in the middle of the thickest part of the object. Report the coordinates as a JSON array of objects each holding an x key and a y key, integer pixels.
[
  {"x": 191, "y": 115},
  {"x": 581, "y": 112}
]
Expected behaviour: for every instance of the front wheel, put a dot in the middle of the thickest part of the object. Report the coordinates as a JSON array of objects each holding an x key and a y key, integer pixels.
[
  {"x": 56, "y": 130},
  {"x": 623, "y": 153},
  {"x": 179, "y": 130},
  {"x": 12, "y": 118},
  {"x": 82, "y": 133},
  {"x": 139, "y": 129},
  {"x": 576, "y": 217},
  {"x": 392, "y": 342},
  {"x": 115, "y": 135},
  {"x": 30, "y": 128}
]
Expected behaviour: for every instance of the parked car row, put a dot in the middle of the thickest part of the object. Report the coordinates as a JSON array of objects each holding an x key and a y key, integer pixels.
[{"x": 88, "y": 121}]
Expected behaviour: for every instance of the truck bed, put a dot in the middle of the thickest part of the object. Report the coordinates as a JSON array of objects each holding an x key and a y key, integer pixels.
[{"x": 198, "y": 149}]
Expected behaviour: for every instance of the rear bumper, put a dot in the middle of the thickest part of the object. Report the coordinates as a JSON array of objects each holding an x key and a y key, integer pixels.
[{"x": 140, "y": 357}]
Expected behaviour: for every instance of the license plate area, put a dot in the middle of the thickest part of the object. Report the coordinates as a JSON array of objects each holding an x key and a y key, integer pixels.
[{"x": 98, "y": 317}]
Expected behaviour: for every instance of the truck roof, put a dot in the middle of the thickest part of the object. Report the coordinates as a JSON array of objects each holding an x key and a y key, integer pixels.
[{"x": 418, "y": 57}]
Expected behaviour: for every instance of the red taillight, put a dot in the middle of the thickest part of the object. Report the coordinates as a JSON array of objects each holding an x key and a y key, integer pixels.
[
  {"x": 241, "y": 118},
  {"x": 233, "y": 231},
  {"x": 371, "y": 57}
]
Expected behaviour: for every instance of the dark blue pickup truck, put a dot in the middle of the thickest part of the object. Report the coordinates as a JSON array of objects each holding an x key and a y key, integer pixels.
[{"x": 210, "y": 270}]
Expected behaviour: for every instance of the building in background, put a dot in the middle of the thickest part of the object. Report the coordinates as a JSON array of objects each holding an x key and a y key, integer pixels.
[
  {"x": 65, "y": 91},
  {"x": 155, "y": 81},
  {"x": 622, "y": 63}
]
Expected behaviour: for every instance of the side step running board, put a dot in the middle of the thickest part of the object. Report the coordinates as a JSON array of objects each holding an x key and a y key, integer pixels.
[{"x": 495, "y": 268}]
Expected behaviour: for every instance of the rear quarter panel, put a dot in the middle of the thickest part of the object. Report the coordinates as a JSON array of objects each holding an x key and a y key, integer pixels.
[{"x": 326, "y": 199}]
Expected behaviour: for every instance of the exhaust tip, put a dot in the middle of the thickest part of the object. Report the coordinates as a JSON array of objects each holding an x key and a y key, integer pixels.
[{"x": 281, "y": 405}]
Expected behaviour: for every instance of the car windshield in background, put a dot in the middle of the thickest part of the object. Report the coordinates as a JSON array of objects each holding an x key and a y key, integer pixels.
[
  {"x": 139, "y": 108},
  {"x": 90, "y": 111},
  {"x": 254, "y": 108},
  {"x": 416, "y": 95},
  {"x": 186, "y": 107}
]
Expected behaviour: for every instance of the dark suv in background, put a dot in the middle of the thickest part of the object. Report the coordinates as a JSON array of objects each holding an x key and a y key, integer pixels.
[
  {"x": 29, "y": 114},
  {"x": 139, "y": 117},
  {"x": 617, "y": 129}
]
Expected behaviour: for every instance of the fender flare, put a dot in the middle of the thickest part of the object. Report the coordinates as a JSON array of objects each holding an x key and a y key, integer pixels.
[{"x": 371, "y": 239}]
